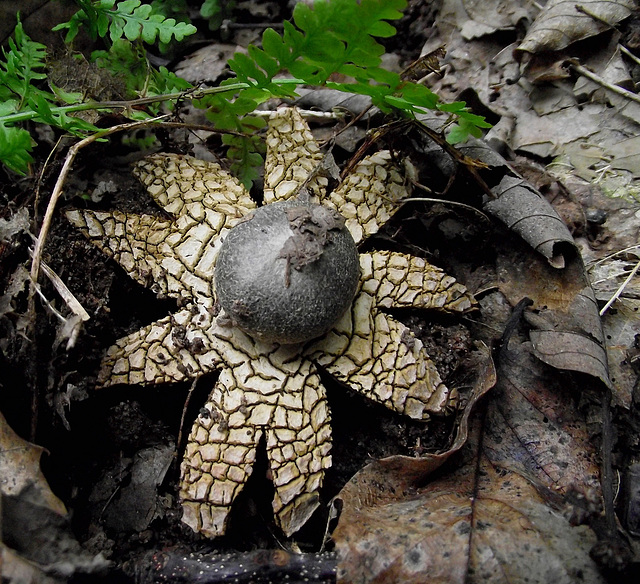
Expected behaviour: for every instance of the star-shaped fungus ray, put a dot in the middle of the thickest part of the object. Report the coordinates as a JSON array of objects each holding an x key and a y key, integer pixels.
[
  {"x": 268, "y": 390},
  {"x": 367, "y": 198},
  {"x": 378, "y": 355},
  {"x": 274, "y": 392}
]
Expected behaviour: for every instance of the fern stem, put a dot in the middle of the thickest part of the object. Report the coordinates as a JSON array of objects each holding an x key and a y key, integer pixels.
[{"x": 194, "y": 93}]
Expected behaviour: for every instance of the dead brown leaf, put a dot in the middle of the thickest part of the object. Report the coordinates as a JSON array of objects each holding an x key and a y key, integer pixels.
[
  {"x": 586, "y": 127},
  {"x": 610, "y": 276},
  {"x": 17, "y": 570},
  {"x": 20, "y": 471},
  {"x": 478, "y": 18},
  {"x": 496, "y": 515},
  {"x": 208, "y": 63},
  {"x": 566, "y": 329},
  {"x": 563, "y": 22}
]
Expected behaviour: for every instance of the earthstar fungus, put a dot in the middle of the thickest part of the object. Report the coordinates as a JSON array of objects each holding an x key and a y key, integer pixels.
[{"x": 265, "y": 388}]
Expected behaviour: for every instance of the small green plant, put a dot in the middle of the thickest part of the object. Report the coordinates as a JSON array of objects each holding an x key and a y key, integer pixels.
[
  {"x": 21, "y": 72},
  {"x": 335, "y": 37},
  {"x": 130, "y": 19},
  {"x": 129, "y": 63},
  {"x": 216, "y": 11}
]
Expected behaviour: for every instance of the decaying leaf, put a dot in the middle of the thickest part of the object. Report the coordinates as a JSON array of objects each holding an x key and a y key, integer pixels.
[
  {"x": 580, "y": 124},
  {"x": 208, "y": 63},
  {"x": 563, "y": 22},
  {"x": 20, "y": 473},
  {"x": 132, "y": 502},
  {"x": 477, "y": 18},
  {"x": 525, "y": 211},
  {"x": 490, "y": 517},
  {"x": 622, "y": 324},
  {"x": 566, "y": 329},
  {"x": 34, "y": 522},
  {"x": 16, "y": 570}
]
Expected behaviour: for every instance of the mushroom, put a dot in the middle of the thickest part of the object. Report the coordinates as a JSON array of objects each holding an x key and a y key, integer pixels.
[
  {"x": 287, "y": 273},
  {"x": 293, "y": 264}
]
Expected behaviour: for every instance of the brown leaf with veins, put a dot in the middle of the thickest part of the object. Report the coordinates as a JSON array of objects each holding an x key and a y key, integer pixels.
[
  {"x": 20, "y": 471},
  {"x": 501, "y": 511},
  {"x": 563, "y": 22},
  {"x": 566, "y": 328}
]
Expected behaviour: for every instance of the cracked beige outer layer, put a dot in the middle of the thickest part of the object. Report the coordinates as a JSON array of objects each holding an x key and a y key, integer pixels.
[{"x": 266, "y": 390}]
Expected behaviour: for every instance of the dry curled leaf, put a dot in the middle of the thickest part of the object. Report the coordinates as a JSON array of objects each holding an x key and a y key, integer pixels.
[
  {"x": 527, "y": 213},
  {"x": 563, "y": 22}
]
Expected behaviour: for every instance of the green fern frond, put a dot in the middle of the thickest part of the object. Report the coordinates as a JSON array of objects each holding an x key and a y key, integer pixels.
[
  {"x": 15, "y": 145},
  {"x": 129, "y": 19}
]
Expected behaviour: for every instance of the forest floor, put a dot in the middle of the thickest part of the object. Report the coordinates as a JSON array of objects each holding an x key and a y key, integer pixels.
[{"x": 535, "y": 478}]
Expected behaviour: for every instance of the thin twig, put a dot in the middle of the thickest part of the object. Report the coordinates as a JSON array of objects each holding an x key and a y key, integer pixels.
[
  {"x": 620, "y": 289},
  {"x": 183, "y": 417},
  {"x": 307, "y": 114},
  {"x": 629, "y": 54},
  {"x": 600, "y": 81},
  {"x": 612, "y": 255},
  {"x": 444, "y": 202},
  {"x": 597, "y": 18},
  {"x": 62, "y": 177},
  {"x": 69, "y": 299},
  {"x": 202, "y": 127},
  {"x": 36, "y": 259},
  {"x": 40, "y": 179}
]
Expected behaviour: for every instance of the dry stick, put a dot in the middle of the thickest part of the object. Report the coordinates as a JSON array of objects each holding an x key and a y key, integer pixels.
[
  {"x": 613, "y": 254},
  {"x": 307, "y": 114},
  {"x": 444, "y": 202},
  {"x": 62, "y": 177},
  {"x": 600, "y": 81},
  {"x": 629, "y": 54},
  {"x": 42, "y": 237},
  {"x": 619, "y": 291},
  {"x": 39, "y": 180}
]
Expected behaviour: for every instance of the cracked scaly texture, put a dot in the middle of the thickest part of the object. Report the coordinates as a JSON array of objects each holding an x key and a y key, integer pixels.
[{"x": 265, "y": 389}]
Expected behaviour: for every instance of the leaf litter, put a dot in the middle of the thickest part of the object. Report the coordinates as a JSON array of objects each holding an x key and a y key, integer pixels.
[{"x": 516, "y": 493}]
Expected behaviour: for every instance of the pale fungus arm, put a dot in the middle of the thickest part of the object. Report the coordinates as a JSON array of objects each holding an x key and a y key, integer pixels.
[
  {"x": 137, "y": 243},
  {"x": 173, "y": 257},
  {"x": 285, "y": 402},
  {"x": 372, "y": 351},
  {"x": 292, "y": 155},
  {"x": 187, "y": 186},
  {"x": 178, "y": 347},
  {"x": 370, "y": 195},
  {"x": 398, "y": 280}
]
